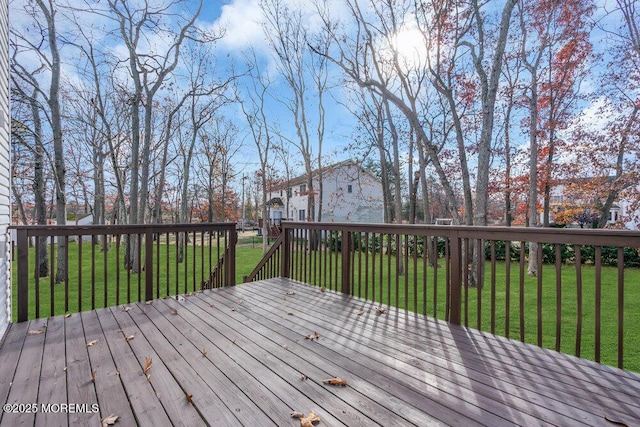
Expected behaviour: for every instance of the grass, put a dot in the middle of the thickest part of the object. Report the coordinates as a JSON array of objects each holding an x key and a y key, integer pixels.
[{"x": 412, "y": 292}]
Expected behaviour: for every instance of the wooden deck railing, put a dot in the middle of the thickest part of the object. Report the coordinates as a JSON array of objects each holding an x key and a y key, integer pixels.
[
  {"x": 113, "y": 265},
  {"x": 583, "y": 300}
]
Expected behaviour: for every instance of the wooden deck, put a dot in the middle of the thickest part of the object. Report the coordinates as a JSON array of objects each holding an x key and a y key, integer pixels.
[{"x": 239, "y": 356}]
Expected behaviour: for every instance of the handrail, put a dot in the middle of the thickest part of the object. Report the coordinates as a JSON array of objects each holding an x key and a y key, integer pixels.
[
  {"x": 135, "y": 263},
  {"x": 256, "y": 272}
]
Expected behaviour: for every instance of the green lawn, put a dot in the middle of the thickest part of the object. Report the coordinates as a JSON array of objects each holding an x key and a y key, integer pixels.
[{"x": 412, "y": 292}]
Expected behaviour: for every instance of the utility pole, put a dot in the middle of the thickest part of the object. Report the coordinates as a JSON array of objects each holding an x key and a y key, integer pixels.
[{"x": 244, "y": 177}]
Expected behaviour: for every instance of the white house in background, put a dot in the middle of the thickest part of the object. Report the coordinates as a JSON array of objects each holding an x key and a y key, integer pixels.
[
  {"x": 5, "y": 174},
  {"x": 350, "y": 194},
  {"x": 623, "y": 213}
]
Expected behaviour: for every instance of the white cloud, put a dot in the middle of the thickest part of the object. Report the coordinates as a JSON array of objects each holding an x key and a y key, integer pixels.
[{"x": 242, "y": 22}]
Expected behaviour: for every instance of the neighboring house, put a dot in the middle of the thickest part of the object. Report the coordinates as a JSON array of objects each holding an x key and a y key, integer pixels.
[
  {"x": 350, "y": 194},
  {"x": 85, "y": 220},
  {"x": 579, "y": 193},
  {"x": 5, "y": 174}
]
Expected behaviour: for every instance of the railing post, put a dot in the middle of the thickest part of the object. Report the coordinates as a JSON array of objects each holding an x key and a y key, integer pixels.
[
  {"x": 23, "y": 274},
  {"x": 455, "y": 265},
  {"x": 286, "y": 251},
  {"x": 230, "y": 266},
  {"x": 346, "y": 262},
  {"x": 148, "y": 265}
]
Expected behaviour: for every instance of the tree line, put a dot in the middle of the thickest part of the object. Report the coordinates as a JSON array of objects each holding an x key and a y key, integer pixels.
[{"x": 466, "y": 109}]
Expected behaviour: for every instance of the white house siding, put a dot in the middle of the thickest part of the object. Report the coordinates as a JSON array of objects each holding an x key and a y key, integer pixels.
[
  {"x": 363, "y": 204},
  {"x": 5, "y": 204}
]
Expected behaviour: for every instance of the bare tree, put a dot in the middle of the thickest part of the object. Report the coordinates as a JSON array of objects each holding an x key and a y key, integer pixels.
[
  {"x": 253, "y": 104},
  {"x": 306, "y": 77}
]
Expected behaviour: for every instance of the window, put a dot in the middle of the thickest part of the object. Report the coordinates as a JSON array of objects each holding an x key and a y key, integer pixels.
[
  {"x": 302, "y": 215},
  {"x": 303, "y": 188},
  {"x": 349, "y": 188}
]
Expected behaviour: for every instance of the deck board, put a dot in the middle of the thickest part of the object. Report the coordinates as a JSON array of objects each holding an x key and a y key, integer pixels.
[{"x": 242, "y": 356}]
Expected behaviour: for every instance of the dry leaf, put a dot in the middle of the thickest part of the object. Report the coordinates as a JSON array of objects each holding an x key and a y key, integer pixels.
[
  {"x": 308, "y": 421},
  {"x": 129, "y": 338},
  {"x": 66, "y": 316},
  {"x": 211, "y": 305},
  {"x": 290, "y": 313},
  {"x": 291, "y": 293},
  {"x": 174, "y": 311},
  {"x": 380, "y": 310},
  {"x": 616, "y": 422},
  {"x": 322, "y": 289},
  {"x": 149, "y": 378},
  {"x": 234, "y": 341},
  {"x": 204, "y": 352},
  {"x": 335, "y": 381},
  {"x": 147, "y": 364},
  {"x": 239, "y": 302},
  {"x": 109, "y": 420},
  {"x": 313, "y": 336},
  {"x": 233, "y": 309},
  {"x": 360, "y": 312},
  {"x": 92, "y": 343},
  {"x": 148, "y": 302},
  {"x": 93, "y": 376},
  {"x": 125, "y": 309},
  {"x": 35, "y": 331},
  {"x": 189, "y": 397},
  {"x": 303, "y": 377},
  {"x": 285, "y": 346},
  {"x": 297, "y": 415}
]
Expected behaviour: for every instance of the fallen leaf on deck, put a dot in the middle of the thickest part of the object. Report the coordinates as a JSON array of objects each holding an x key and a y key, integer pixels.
[
  {"x": 380, "y": 310},
  {"x": 322, "y": 289},
  {"x": 285, "y": 346},
  {"x": 149, "y": 378},
  {"x": 234, "y": 341},
  {"x": 308, "y": 421},
  {"x": 66, "y": 316},
  {"x": 147, "y": 364},
  {"x": 92, "y": 343},
  {"x": 233, "y": 309},
  {"x": 189, "y": 397},
  {"x": 291, "y": 293},
  {"x": 125, "y": 309},
  {"x": 313, "y": 336},
  {"x": 303, "y": 377},
  {"x": 129, "y": 338},
  {"x": 109, "y": 420},
  {"x": 174, "y": 311},
  {"x": 616, "y": 422},
  {"x": 335, "y": 381},
  {"x": 204, "y": 352},
  {"x": 35, "y": 331},
  {"x": 290, "y": 313},
  {"x": 93, "y": 376},
  {"x": 360, "y": 312},
  {"x": 239, "y": 302},
  {"x": 211, "y": 305},
  {"x": 148, "y": 302}
]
